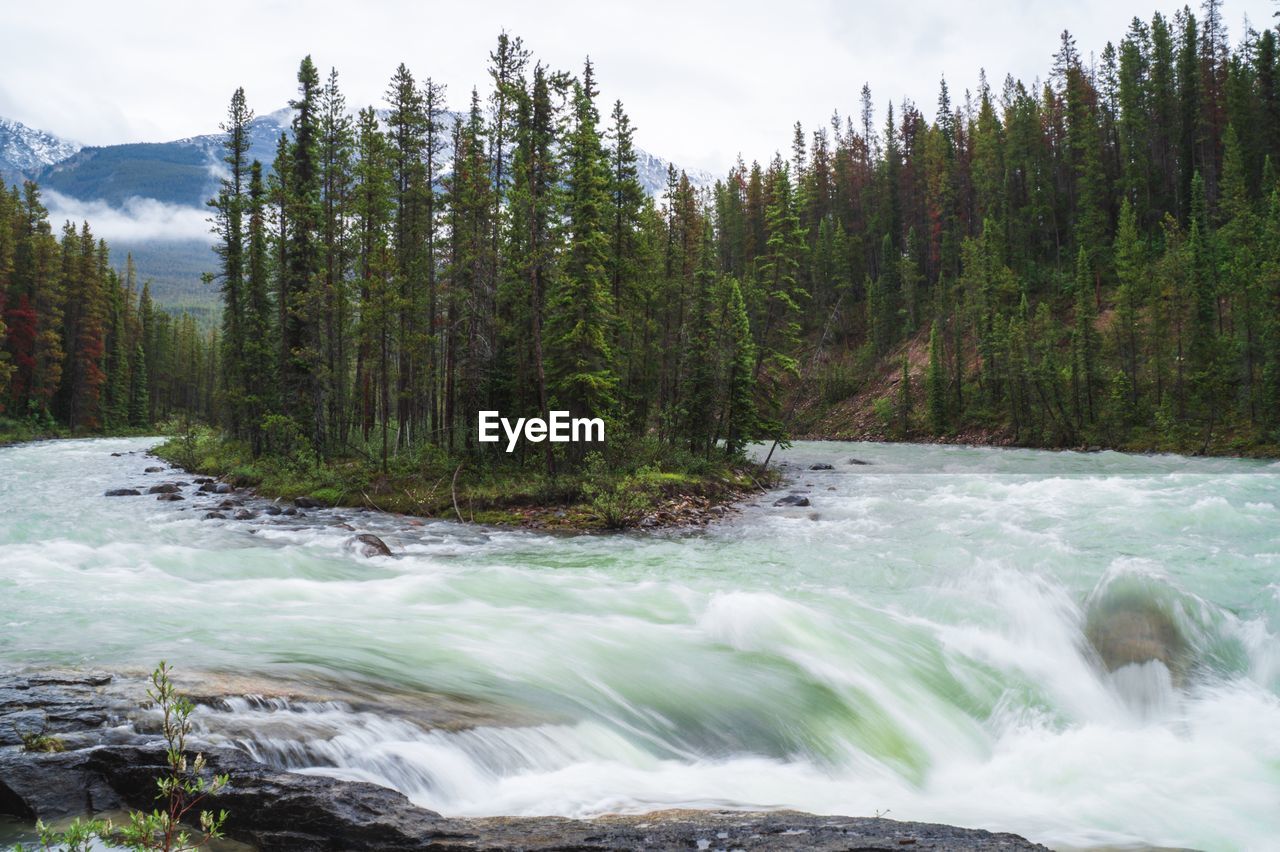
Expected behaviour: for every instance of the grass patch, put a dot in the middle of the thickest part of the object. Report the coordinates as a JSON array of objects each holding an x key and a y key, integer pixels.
[{"x": 42, "y": 743}]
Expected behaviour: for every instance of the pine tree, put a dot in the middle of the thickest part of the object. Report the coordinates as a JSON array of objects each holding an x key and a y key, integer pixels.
[
  {"x": 229, "y": 208},
  {"x": 139, "y": 388},
  {"x": 300, "y": 379},
  {"x": 580, "y": 306},
  {"x": 372, "y": 203},
  {"x": 1132, "y": 274},
  {"x": 406, "y": 131},
  {"x": 531, "y": 214},
  {"x": 1084, "y": 345},
  {"x": 904, "y": 398},
  {"x": 261, "y": 334},
  {"x": 740, "y": 422},
  {"x": 936, "y": 384}
]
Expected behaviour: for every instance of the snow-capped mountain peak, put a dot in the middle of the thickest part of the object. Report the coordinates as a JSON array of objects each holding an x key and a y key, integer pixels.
[{"x": 26, "y": 150}]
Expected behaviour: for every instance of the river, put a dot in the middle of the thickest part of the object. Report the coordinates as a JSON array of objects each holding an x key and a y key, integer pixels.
[{"x": 913, "y": 644}]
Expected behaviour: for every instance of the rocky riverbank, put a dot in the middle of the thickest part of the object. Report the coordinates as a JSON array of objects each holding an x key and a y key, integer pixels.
[{"x": 101, "y": 760}]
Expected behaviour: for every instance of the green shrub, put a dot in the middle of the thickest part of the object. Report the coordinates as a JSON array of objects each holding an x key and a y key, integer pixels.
[
  {"x": 181, "y": 790},
  {"x": 619, "y": 502}
]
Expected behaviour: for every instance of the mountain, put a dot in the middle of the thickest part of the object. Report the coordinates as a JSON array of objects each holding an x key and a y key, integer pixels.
[
  {"x": 25, "y": 151},
  {"x": 186, "y": 171},
  {"x": 134, "y": 193}
]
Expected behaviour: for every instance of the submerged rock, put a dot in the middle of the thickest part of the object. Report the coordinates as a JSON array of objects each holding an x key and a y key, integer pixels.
[
  {"x": 123, "y": 492},
  {"x": 368, "y": 544},
  {"x": 792, "y": 500},
  {"x": 154, "y": 470},
  {"x": 214, "y": 516},
  {"x": 858, "y": 461},
  {"x": 1131, "y": 625},
  {"x": 821, "y": 466},
  {"x": 170, "y": 497},
  {"x": 244, "y": 515},
  {"x": 165, "y": 488}
]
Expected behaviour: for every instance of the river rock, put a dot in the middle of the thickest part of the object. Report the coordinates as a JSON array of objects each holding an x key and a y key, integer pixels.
[
  {"x": 858, "y": 461},
  {"x": 368, "y": 544},
  {"x": 170, "y": 497},
  {"x": 1129, "y": 628},
  {"x": 165, "y": 488},
  {"x": 289, "y": 510},
  {"x": 792, "y": 500},
  {"x": 208, "y": 487},
  {"x": 306, "y": 503},
  {"x": 109, "y": 767},
  {"x": 273, "y": 509},
  {"x": 223, "y": 488},
  {"x": 821, "y": 466},
  {"x": 245, "y": 515},
  {"x": 214, "y": 516},
  {"x": 124, "y": 492},
  {"x": 154, "y": 470}
]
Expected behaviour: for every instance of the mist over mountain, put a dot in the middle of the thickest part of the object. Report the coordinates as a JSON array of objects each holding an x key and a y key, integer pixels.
[{"x": 149, "y": 199}]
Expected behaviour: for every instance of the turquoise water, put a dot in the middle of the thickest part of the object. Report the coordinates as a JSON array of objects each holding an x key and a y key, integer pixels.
[{"x": 912, "y": 644}]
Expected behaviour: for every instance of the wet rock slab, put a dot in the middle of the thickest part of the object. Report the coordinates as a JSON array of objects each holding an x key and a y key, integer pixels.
[{"x": 106, "y": 766}]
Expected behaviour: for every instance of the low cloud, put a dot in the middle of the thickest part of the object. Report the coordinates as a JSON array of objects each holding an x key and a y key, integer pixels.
[{"x": 138, "y": 220}]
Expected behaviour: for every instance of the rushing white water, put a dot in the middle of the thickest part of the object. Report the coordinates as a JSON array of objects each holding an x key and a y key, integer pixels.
[{"x": 912, "y": 644}]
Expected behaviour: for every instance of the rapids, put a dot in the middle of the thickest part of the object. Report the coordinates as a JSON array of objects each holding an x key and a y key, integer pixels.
[{"x": 913, "y": 644}]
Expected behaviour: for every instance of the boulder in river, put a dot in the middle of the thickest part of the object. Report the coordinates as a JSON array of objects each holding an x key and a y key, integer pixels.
[
  {"x": 858, "y": 461},
  {"x": 273, "y": 509},
  {"x": 792, "y": 500},
  {"x": 306, "y": 503},
  {"x": 208, "y": 487},
  {"x": 170, "y": 497},
  {"x": 245, "y": 515},
  {"x": 214, "y": 516},
  {"x": 154, "y": 470},
  {"x": 1134, "y": 624},
  {"x": 124, "y": 492},
  {"x": 368, "y": 544},
  {"x": 223, "y": 488},
  {"x": 165, "y": 488},
  {"x": 821, "y": 466}
]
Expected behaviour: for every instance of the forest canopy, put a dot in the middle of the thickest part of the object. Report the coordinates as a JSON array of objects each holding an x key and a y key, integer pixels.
[{"x": 1091, "y": 258}]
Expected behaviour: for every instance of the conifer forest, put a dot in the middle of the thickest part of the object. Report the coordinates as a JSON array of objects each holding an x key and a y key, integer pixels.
[{"x": 1091, "y": 258}]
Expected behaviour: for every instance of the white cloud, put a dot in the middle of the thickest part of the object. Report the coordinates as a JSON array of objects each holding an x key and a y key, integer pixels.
[
  {"x": 702, "y": 80},
  {"x": 138, "y": 220}
]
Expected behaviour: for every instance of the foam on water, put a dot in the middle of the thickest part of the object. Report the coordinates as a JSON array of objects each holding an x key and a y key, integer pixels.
[{"x": 920, "y": 648}]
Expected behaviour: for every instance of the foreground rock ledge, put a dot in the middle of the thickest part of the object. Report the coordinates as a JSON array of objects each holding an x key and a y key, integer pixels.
[{"x": 106, "y": 766}]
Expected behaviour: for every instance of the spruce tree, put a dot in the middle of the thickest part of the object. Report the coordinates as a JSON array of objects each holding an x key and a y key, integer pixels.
[
  {"x": 936, "y": 384},
  {"x": 580, "y": 308}
]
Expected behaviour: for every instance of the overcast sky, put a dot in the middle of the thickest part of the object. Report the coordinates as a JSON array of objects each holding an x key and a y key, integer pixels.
[{"x": 702, "y": 81}]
